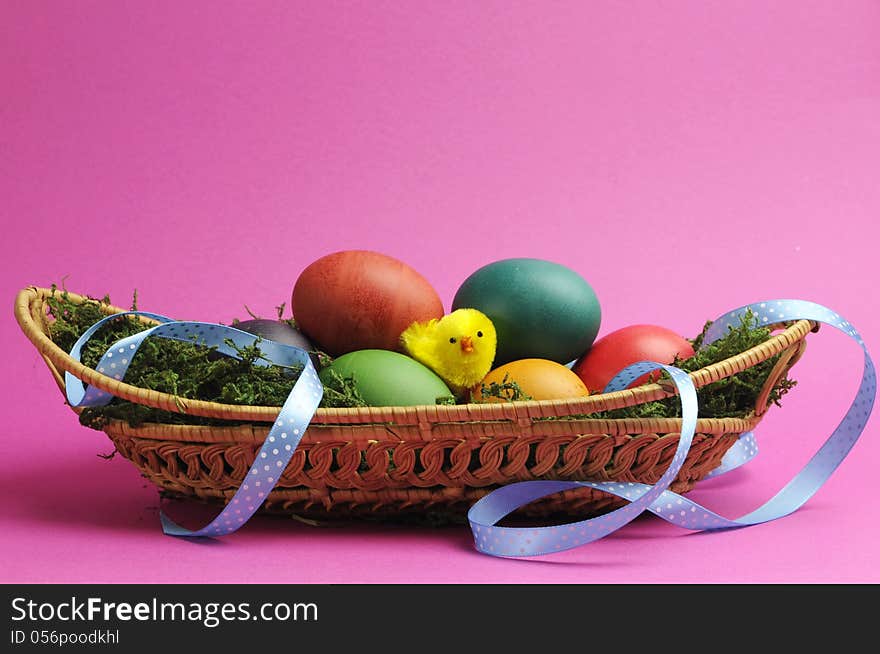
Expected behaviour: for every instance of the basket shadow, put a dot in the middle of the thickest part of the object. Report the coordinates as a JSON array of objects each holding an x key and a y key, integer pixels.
[
  {"x": 123, "y": 501},
  {"x": 60, "y": 494},
  {"x": 44, "y": 498}
]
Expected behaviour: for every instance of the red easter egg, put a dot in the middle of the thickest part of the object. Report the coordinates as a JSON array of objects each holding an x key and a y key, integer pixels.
[
  {"x": 361, "y": 300},
  {"x": 613, "y": 352}
]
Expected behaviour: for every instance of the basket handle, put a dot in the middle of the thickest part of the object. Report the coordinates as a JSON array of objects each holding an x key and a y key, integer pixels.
[{"x": 787, "y": 359}]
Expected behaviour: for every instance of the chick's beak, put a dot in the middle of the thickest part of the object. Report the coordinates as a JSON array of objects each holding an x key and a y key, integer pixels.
[{"x": 467, "y": 345}]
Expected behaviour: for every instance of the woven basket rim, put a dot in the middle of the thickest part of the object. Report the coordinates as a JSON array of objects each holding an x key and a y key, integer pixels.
[
  {"x": 30, "y": 314},
  {"x": 373, "y": 432}
]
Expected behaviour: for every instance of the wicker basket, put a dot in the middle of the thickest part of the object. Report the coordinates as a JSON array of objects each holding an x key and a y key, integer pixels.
[{"x": 444, "y": 457}]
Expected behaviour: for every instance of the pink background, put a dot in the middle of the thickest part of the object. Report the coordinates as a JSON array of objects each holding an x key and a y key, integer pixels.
[{"x": 685, "y": 157}]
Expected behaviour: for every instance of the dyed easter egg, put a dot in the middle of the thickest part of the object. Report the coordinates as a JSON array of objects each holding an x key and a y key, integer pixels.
[
  {"x": 540, "y": 309},
  {"x": 385, "y": 378},
  {"x": 358, "y": 300},
  {"x": 279, "y": 331},
  {"x": 539, "y": 379},
  {"x": 613, "y": 352}
]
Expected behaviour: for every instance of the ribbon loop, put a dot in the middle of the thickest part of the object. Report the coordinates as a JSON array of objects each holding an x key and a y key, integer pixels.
[
  {"x": 533, "y": 541},
  {"x": 670, "y": 506},
  {"x": 283, "y": 437}
]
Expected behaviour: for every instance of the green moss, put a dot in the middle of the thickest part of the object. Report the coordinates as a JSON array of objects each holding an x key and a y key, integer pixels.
[
  {"x": 186, "y": 370},
  {"x": 340, "y": 391},
  {"x": 734, "y": 396},
  {"x": 506, "y": 390}
]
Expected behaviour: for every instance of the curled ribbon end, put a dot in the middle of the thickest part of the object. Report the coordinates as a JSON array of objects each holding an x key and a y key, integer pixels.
[{"x": 673, "y": 508}]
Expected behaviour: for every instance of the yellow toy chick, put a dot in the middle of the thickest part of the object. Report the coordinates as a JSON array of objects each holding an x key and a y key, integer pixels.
[{"x": 459, "y": 347}]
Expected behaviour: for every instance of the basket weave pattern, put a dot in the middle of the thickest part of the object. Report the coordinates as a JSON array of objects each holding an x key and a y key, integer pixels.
[{"x": 388, "y": 460}]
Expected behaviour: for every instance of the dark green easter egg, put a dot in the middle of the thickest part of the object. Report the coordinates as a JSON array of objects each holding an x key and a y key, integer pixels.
[
  {"x": 385, "y": 378},
  {"x": 540, "y": 309}
]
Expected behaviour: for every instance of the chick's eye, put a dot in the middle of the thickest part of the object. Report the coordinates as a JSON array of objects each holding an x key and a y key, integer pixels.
[
  {"x": 452, "y": 340},
  {"x": 479, "y": 334}
]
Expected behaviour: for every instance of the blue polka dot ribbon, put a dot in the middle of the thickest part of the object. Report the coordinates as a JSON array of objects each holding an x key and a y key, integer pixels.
[
  {"x": 283, "y": 437},
  {"x": 485, "y": 514}
]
